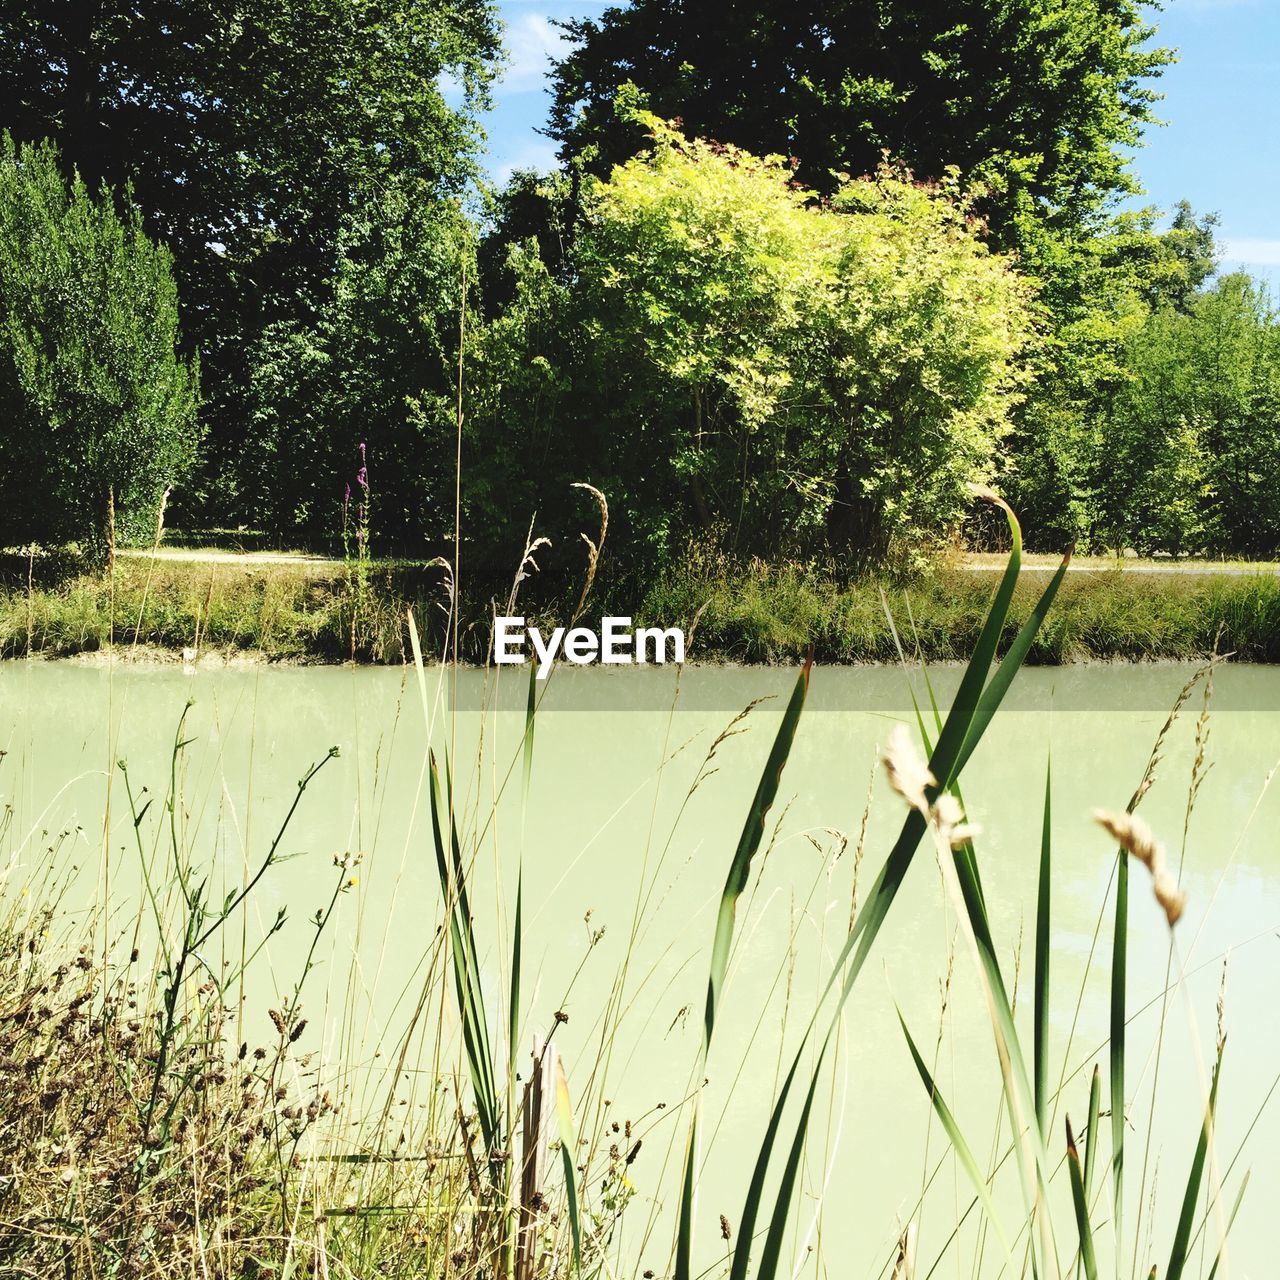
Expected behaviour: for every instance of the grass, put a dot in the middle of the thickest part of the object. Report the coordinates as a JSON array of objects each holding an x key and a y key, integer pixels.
[
  {"x": 143, "y": 1137},
  {"x": 312, "y": 609},
  {"x": 764, "y": 613},
  {"x": 278, "y": 609}
]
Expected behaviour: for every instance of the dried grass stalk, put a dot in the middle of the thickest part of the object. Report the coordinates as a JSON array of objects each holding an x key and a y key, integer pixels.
[{"x": 1135, "y": 837}]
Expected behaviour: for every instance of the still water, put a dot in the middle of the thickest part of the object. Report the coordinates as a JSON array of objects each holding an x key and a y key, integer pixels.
[{"x": 622, "y": 866}]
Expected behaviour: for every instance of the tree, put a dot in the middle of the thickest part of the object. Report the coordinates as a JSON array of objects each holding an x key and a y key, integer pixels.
[
  {"x": 1195, "y": 455},
  {"x": 255, "y": 134},
  {"x": 1098, "y": 287},
  {"x": 376, "y": 367},
  {"x": 731, "y": 359},
  {"x": 1041, "y": 100},
  {"x": 99, "y": 409}
]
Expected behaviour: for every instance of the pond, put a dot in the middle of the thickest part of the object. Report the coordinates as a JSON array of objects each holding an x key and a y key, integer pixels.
[{"x": 622, "y": 874}]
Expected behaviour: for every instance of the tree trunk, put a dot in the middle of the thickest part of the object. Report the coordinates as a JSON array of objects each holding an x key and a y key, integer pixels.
[
  {"x": 699, "y": 492},
  {"x": 855, "y": 522}
]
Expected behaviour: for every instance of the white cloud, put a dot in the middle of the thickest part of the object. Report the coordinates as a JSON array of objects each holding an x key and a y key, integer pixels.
[
  {"x": 532, "y": 42},
  {"x": 1252, "y": 252}
]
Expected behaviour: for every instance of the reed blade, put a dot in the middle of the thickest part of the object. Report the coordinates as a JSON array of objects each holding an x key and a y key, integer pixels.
[
  {"x": 1091, "y": 1138},
  {"x": 568, "y": 1148},
  {"x": 735, "y": 884},
  {"x": 1231, "y": 1221},
  {"x": 1081, "y": 1204},
  {"x": 517, "y": 935},
  {"x": 1119, "y": 963},
  {"x": 960, "y": 734},
  {"x": 1043, "y": 904},
  {"x": 466, "y": 968},
  {"x": 1186, "y": 1219},
  {"x": 748, "y": 846},
  {"x": 771, "y": 1257},
  {"x": 1030, "y": 1149},
  {"x": 971, "y": 712},
  {"x": 964, "y": 1152},
  {"x": 755, "y": 1191},
  {"x": 994, "y": 692}
]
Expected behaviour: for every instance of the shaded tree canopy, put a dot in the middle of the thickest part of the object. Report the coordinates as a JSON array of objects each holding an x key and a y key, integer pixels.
[
  {"x": 252, "y": 132},
  {"x": 1039, "y": 99}
]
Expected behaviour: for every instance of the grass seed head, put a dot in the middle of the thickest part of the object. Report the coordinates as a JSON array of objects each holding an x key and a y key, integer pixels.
[
  {"x": 1135, "y": 837},
  {"x": 908, "y": 774}
]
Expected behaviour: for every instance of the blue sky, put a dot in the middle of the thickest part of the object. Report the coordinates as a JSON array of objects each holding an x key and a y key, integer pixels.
[{"x": 1220, "y": 147}]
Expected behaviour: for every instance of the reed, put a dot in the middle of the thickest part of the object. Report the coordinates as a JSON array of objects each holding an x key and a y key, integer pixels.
[{"x": 166, "y": 1146}]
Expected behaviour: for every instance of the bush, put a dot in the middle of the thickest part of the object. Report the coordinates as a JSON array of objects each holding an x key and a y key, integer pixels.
[
  {"x": 731, "y": 359},
  {"x": 1192, "y": 435},
  {"x": 99, "y": 408}
]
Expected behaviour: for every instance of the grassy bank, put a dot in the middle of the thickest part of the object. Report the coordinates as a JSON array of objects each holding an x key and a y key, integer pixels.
[
  {"x": 281, "y": 608},
  {"x": 769, "y": 614},
  {"x": 312, "y": 609}
]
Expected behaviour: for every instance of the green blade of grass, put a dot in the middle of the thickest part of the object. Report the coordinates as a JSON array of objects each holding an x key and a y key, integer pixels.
[
  {"x": 958, "y": 1144},
  {"x": 1091, "y": 1138},
  {"x": 1231, "y": 1221},
  {"x": 1010, "y": 664},
  {"x": 1031, "y": 1153},
  {"x": 1081, "y": 1204},
  {"x": 971, "y": 712},
  {"x": 568, "y": 1147},
  {"x": 1041, "y": 1053},
  {"x": 755, "y": 1190},
  {"x": 1186, "y": 1219},
  {"x": 517, "y": 935},
  {"x": 735, "y": 885},
  {"x": 748, "y": 846},
  {"x": 771, "y": 1256},
  {"x": 466, "y": 971},
  {"x": 1119, "y": 963},
  {"x": 955, "y": 737}
]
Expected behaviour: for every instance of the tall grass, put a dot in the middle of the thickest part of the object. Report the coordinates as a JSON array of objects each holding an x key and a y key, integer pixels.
[
  {"x": 285, "y": 1160},
  {"x": 755, "y": 612}
]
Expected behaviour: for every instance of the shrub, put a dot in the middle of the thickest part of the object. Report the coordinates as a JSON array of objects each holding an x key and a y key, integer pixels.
[
  {"x": 732, "y": 359},
  {"x": 99, "y": 407}
]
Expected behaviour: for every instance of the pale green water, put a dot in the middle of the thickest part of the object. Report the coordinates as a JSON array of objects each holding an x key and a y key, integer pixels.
[{"x": 601, "y": 825}]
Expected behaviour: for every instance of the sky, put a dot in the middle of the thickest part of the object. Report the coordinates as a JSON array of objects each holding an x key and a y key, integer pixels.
[{"x": 1219, "y": 147}]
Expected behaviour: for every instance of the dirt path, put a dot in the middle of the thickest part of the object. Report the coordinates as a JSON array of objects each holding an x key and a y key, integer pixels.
[{"x": 216, "y": 555}]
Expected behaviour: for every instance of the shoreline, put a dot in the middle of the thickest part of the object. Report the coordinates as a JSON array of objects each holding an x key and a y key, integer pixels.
[
  {"x": 226, "y": 613},
  {"x": 153, "y": 657}
]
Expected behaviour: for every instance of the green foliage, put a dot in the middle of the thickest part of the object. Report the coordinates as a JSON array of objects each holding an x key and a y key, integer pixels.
[
  {"x": 1196, "y": 463},
  {"x": 375, "y": 365},
  {"x": 729, "y": 357},
  {"x": 261, "y": 141},
  {"x": 100, "y": 411},
  {"x": 1098, "y": 288},
  {"x": 1042, "y": 100}
]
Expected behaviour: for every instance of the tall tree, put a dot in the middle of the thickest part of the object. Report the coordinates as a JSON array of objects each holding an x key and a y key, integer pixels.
[
  {"x": 1040, "y": 99},
  {"x": 252, "y": 132},
  {"x": 99, "y": 411}
]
